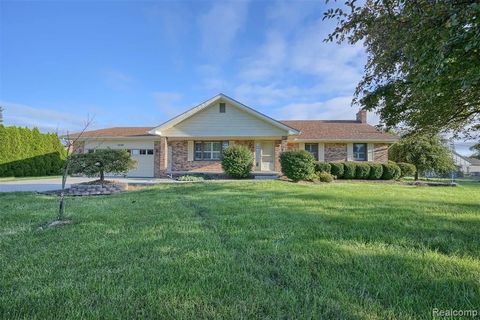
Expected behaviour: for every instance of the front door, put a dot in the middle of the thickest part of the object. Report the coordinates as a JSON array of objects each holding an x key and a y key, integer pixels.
[{"x": 267, "y": 156}]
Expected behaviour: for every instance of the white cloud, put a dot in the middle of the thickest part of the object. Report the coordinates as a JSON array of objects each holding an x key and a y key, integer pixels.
[
  {"x": 269, "y": 94},
  {"x": 294, "y": 64},
  {"x": 168, "y": 102},
  {"x": 338, "y": 108},
  {"x": 220, "y": 25},
  {"x": 267, "y": 60},
  {"x": 46, "y": 120}
]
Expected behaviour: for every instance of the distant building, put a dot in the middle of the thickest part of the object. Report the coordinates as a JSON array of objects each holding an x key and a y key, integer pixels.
[{"x": 466, "y": 165}]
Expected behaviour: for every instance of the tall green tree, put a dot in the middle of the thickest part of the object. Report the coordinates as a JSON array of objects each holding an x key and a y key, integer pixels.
[
  {"x": 423, "y": 69},
  {"x": 427, "y": 153}
]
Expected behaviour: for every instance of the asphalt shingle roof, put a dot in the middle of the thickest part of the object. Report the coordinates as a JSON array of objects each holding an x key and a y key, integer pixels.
[{"x": 337, "y": 130}]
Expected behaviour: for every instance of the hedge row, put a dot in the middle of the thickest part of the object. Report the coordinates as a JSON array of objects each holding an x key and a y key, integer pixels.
[
  {"x": 27, "y": 152},
  {"x": 366, "y": 170},
  {"x": 300, "y": 165}
]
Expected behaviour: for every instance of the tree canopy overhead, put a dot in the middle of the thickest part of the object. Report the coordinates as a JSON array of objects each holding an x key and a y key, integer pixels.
[{"x": 423, "y": 67}]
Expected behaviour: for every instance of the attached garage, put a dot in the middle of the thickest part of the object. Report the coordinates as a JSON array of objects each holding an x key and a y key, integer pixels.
[
  {"x": 144, "y": 159},
  {"x": 142, "y": 152}
]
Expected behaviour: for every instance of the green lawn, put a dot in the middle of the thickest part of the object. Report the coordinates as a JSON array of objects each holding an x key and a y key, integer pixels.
[{"x": 267, "y": 249}]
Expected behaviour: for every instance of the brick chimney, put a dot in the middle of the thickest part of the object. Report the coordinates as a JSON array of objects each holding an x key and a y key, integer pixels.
[{"x": 362, "y": 116}]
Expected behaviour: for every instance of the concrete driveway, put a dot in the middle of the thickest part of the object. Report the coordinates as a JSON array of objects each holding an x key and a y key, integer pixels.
[
  {"x": 38, "y": 185},
  {"x": 55, "y": 183}
]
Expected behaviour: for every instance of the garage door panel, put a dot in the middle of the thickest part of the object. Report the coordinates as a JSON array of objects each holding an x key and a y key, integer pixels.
[{"x": 144, "y": 166}]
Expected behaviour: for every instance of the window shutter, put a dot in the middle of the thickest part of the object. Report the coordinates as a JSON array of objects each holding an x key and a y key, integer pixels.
[
  {"x": 301, "y": 146},
  {"x": 349, "y": 151},
  {"x": 190, "y": 151},
  {"x": 370, "y": 152},
  {"x": 321, "y": 152}
]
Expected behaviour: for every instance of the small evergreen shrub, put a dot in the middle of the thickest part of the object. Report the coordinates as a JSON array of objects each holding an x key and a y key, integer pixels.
[
  {"x": 376, "y": 171},
  {"x": 237, "y": 161},
  {"x": 349, "y": 171},
  {"x": 391, "y": 171},
  {"x": 297, "y": 165},
  {"x": 325, "y": 177},
  {"x": 337, "y": 169},
  {"x": 362, "y": 171},
  {"x": 407, "y": 169},
  {"x": 323, "y": 167}
]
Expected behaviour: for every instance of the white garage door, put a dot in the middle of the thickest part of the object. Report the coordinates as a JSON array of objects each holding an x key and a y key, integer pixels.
[{"x": 144, "y": 159}]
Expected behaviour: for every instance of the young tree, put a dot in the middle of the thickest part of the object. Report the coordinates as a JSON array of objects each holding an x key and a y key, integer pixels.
[
  {"x": 101, "y": 161},
  {"x": 427, "y": 153},
  {"x": 71, "y": 145},
  {"x": 423, "y": 61}
]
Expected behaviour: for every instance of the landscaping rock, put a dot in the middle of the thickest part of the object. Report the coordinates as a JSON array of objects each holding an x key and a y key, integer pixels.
[{"x": 96, "y": 189}]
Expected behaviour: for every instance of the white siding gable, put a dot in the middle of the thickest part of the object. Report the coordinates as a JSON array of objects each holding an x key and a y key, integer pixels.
[{"x": 235, "y": 122}]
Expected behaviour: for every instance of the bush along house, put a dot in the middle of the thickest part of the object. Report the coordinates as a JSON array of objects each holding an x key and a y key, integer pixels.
[{"x": 192, "y": 142}]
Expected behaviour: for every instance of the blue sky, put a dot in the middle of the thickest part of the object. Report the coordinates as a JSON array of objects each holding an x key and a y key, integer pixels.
[{"x": 133, "y": 63}]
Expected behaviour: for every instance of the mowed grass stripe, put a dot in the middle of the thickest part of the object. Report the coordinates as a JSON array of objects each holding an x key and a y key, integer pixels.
[{"x": 244, "y": 250}]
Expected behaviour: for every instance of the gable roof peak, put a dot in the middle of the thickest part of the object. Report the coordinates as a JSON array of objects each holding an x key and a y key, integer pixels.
[{"x": 189, "y": 113}]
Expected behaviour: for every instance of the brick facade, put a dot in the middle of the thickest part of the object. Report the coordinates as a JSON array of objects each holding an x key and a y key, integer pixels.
[
  {"x": 180, "y": 156},
  {"x": 292, "y": 146},
  {"x": 335, "y": 152},
  {"x": 180, "y": 160},
  {"x": 380, "y": 152},
  {"x": 160, "y": 158}
]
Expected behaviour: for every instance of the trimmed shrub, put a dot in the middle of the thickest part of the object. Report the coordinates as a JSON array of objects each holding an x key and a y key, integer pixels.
[
  {"x": 96, "y": 164},
  {"x": 349, "y": 172},
  {"x": 362, "y": 171},
  {"x": 297, "y": 165},
  {"x": 398, "y": 171},
  {"x": 325, "y": 177},
  {"x": 337, "y": 169},
  {"x": 237, "y": 161},
  {"x": 407, "y": 169},
  {"x": 376, "y": 171},
  {"x": 390, "y": 171},
  {"x": 323, "y": 167}
]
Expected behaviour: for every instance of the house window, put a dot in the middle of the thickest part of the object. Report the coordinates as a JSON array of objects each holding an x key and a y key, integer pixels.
[
  {"x": 360, "y": 151},
  {"x": 209, "y": 150},
  {"x": 313, "y": 149},
  {"x": 135, "y": 152},
  {"x": 143, "y": 151},
  {"x": 222, "y": 107},
  {"x": 91, "y": 150},
  {"x": 149, "y": 151}
]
